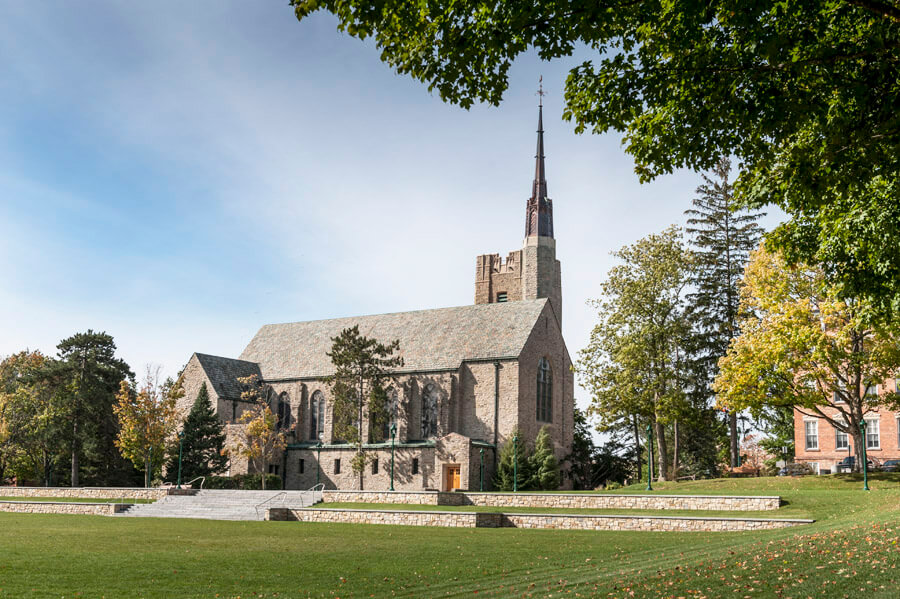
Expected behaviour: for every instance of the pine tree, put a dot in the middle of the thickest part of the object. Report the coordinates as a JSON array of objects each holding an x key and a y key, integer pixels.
[
  {"x": 204, "y": 440},
  {"x": 544, "y": 466},
  {"x": 723, "y": 235},
  {"x": 514, "y": 458}
]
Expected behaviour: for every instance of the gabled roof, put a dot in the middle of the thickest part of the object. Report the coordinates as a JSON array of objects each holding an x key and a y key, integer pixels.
[
  {"x": 224, "y": 372},
  {"x": 429, "y": 339}
]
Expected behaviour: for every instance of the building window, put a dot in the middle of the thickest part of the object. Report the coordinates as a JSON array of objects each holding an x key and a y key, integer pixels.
[
  {"x": 273, "y": 469},
  {"x": 301, "y": 466},
  {"x": 337, "y": 466},
  {"x": 501, "y": 297},
  {"x": 544, "y": 391},
  {"x": 841, "y": 439},
  {"x": 283, "y": 412},
  {"x": 873, "y": 434},
  {"x": 415, "y": 466},
  {"x": 429, "y": 411},
  {"x": 392, "y": 408},
  {"x": 812, "y": 434},
  {"x": 375, "y": 466},
  {"x": 317, "y": 416},
  {"x": 872, "y": 391}
]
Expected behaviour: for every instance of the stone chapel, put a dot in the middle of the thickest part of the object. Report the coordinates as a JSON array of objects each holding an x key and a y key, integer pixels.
[{"x": 471, "y": 375}]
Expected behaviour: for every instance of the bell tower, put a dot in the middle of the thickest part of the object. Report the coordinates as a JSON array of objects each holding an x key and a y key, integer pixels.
[{"x": 532, "y": 272}]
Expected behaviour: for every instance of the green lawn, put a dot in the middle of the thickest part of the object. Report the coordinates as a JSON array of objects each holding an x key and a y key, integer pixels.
[{"x": 852, "y": 550}]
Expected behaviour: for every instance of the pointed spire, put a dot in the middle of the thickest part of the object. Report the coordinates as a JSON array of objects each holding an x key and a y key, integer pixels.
[{"x": 540, "y": 209}]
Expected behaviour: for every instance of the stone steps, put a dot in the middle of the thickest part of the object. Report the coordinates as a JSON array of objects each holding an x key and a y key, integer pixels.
[{"x": 222, "y": 504}]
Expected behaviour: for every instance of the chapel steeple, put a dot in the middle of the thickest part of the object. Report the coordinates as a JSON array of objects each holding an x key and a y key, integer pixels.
[
  {"x": 539, "y": 209},
  {"x": 532, "y": 272}
]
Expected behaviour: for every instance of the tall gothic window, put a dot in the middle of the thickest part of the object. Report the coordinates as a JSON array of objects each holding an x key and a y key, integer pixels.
[
  {"x": 317, "y": 416},
  {"x": 429, "y": 411},
  {"x": 544, "y": 391},
  {"x": 393, "y": 407},
  {"x": 283, "y": 412}
]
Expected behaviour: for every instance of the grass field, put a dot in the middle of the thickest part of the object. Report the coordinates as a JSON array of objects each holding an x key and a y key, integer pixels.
[{"x": 852, "y": 550}]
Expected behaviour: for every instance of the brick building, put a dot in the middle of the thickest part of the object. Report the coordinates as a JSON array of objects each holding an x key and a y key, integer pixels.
[
  {"x": 818, "y": 443},
  {"x": 471, "y": 375}
]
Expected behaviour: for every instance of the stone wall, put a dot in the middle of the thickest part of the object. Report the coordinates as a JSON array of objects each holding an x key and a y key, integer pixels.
[
  {"x": 602, "y": 501},
  {"x": 563, "y": 500},
  {"x": 537, "y": 521},
  {"x": 91, "y": 492},
  {"x": 50, "y": 507}
]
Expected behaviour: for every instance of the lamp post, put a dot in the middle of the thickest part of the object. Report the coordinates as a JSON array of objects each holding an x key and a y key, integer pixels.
[
  {"x": 393, "y": 440},
  {"x": 862, "y": 452},
  {"x": 180, "y": 451},
  {"x": 481, "y": 488},
  {"x": 318, "y": 459},
  {"x": 515, "y": 462},
  {"x": 649, "y": 456}
]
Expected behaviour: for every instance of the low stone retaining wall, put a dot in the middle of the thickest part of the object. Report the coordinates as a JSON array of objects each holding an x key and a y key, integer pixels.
[
  {"x": 543, "y": 521},
  {"x": 71, "y": 507},
  {"x": 563, "y": 500},
  {"x": 398, "y": 497},
  {"x": 93, "y": 492}
]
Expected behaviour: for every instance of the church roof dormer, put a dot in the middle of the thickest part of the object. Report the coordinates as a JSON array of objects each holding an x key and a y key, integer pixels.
[{"x": 539, "y": 210}]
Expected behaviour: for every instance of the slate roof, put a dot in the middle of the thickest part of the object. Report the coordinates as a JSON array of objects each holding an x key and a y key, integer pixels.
[
  {"x": 224, "y": 372},
  {"x": 429, "y": 339}
]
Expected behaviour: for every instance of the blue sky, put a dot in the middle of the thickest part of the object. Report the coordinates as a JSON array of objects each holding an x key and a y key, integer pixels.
[{"x": 179, "y": 174}]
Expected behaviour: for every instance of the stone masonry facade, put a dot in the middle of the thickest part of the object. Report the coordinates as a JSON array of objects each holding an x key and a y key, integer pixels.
[
  {"x": 536, "y": 521},
  {"x": 563, "y": 500}
]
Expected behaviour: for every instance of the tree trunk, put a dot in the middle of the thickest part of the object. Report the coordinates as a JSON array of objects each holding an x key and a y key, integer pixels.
[
  {"x": 661, "y": 448},
  {"x": 637, "y": 446},
  {"x": 74, "y": 481},
  {"x": 147, "y": 472},
  {"x": 675, "y": 452},
  {"x": 733, "y": 437},
  {"x": 858, "y": 444}
]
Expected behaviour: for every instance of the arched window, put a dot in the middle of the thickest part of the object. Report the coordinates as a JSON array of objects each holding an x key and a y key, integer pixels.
[
  {"x": 283, "y": 412},
  {"x": 317, "y": 416},
  {"x": 393, "y": 407},
  {"x": 429, "y": 411},
  {"x": 544, "y": 391}
]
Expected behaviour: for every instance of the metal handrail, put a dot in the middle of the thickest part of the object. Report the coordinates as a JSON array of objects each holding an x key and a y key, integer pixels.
[
  {"x": 202, "y": 480},
  {"x": 283, "y": 496},
  {"x": 316, "y": 487}
]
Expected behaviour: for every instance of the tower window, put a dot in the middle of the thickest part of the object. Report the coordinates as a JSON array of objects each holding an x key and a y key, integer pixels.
[
  {"x": 337, "y": 466},
  {"x": 415, "y": 466},
  {"x": 544, "y": 391},
  {"x": 302, "y": 466},
  {"x": 375, "y": 466},
  {"x": 501, "y": 297}
]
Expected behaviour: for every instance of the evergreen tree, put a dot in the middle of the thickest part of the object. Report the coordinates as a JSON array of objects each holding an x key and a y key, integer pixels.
[
  {"x": 361, "y": 366},
  {"x": 723, "y": 235},
  {"x": 203, "y": 443},
  {"x": 514, "y": 458},
  {"x": 581, "y": 459},
  {"x": 544, "y": 466}
]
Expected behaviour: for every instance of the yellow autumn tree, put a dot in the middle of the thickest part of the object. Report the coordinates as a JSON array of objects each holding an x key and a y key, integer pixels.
[
  {"x": 258, "y": 439},
  {"x": 147, "y": 418},
  {"x": 801, "y": 345}
]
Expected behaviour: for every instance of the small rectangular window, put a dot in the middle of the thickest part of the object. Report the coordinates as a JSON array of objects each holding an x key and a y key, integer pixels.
[
  {"x": 375, "y": 466},
  {"x": 337, "y": 466},
  {"x": 302, "y": 466},
  {"x": 841, "y": 440},
  {"x": 873, "y": 434},
  {"x": 415, "y": 466},
  {"x": 812, "y": 434},
  {"x": 273, "y": 469},
  {"x": 501, "y": 297}
]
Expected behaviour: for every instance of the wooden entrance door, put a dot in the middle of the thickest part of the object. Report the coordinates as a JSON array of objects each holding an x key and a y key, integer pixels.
[{"x": 452, "y": 478}]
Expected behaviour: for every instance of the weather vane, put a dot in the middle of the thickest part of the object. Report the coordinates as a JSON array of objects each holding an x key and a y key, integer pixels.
[{"x": 541, "y": 93}]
